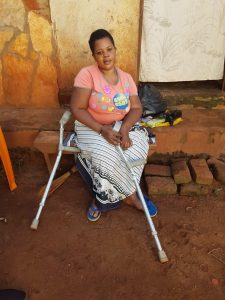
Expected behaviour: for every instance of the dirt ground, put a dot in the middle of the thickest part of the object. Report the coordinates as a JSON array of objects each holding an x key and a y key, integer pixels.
[{"x": 71, "y": 258}]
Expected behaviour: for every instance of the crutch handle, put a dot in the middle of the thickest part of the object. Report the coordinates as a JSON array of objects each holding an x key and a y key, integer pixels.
[
  {"x": 65, "y": 118},
  {"x": 117, "y": 126}
]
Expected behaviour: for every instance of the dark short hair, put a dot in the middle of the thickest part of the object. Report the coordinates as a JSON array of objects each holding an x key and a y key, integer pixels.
[{"x": 97, "y": 35}]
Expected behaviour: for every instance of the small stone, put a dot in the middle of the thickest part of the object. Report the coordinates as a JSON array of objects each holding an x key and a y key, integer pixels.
[
  {"x": 41, "y": 33},
  {"x": 20, "y": 45},
  {"x": 188, "y": 208},
  {"x": 17, "y": 94},
  {"x": 45, "y": 88},
  {"x": 12, "y": 13},
  {"x": 215, "y": 281},
  {"x": 3, "y": 219},
  {"x": 5, "y": 36}
]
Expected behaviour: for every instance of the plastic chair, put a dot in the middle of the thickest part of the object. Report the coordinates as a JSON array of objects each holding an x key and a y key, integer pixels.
[{"x": 4, "y": 155}]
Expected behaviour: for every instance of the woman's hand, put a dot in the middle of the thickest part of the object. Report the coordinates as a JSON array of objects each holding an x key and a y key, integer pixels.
[
  {"x": 112, "y": 136},
  {"x": 125, "y": 142}
]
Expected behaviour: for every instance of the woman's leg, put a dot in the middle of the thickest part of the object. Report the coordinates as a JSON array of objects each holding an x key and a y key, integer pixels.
[
  {"x": 93, "y": 213},
  {"x": 133, "y": 200}
]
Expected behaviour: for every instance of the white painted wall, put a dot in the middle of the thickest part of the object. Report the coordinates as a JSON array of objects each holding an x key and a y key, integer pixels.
[{"x": 182, "y": 40}]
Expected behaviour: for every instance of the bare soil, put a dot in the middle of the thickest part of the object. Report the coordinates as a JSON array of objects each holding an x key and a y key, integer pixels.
[{"x": 69, "y": 257}]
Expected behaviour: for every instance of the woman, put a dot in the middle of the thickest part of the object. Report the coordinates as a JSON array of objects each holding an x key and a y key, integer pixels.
[{"x": 104, "y": 94}]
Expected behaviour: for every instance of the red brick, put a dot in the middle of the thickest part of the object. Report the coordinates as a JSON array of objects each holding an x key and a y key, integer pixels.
[
  {"x": 193, "y": 189},
  {"x": 157, "y": 170},
  {"x": 180, "y": 171},
  {"x": 160, "y": 185},
  {"x": 218, "y": 169},
  {"x": 200, "y": 171},
  {"x": 214, "y": 161}
]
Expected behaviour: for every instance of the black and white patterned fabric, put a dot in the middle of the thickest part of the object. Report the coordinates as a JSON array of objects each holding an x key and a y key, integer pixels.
[{"x": 111, "y": 179}]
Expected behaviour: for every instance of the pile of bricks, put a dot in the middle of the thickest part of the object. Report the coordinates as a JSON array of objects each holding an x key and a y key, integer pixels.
[{"x": 184, "y": 176}]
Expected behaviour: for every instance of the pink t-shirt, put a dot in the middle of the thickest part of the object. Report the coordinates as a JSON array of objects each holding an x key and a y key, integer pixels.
[{"x": 108, "y": 103}]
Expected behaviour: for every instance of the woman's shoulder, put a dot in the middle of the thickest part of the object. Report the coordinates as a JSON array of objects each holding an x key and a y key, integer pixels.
[
  {"x": 89, "y": 69},
  {"x": 124, "y": 75}
]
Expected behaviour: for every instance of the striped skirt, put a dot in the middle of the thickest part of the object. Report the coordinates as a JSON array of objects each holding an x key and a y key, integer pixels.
[{"x": 111, "y": 179}]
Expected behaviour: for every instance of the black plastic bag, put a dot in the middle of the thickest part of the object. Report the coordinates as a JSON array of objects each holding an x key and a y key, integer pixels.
[{"x": 151, "y": 100}]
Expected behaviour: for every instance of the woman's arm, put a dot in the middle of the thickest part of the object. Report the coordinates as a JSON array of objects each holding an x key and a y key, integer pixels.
[
  {"x": 134, "y": 114},
  {"x": 130, "y": 119},
  {"x": 79, "y": 105}
]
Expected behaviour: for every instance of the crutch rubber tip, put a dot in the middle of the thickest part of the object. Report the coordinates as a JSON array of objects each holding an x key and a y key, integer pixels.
[
  {"x": 34, "y": 224},
  {"x": 162, "y": 256}
]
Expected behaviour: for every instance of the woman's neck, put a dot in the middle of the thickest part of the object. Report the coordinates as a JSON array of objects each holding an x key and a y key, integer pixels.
[{"x": 111, "y": 75}]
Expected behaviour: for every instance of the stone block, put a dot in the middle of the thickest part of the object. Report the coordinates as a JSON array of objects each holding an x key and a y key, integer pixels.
[
  {"x": 5, "y": 36},
  {"x": 193, "y": 189},
  {"x": 45, "y": 88},
  {"x": 41, "y": 33},
  {"x": 159, "y": 158},
  {"x": 157, "y": 170},
  {"x": 12, "y": 13},
  {"x": 17, "y": 79},
  {"x": 220, "y": 172},
  {"x": 218, "y": 168},
  {"x": 214, "y": 161},
  {"x": 20, "y": 45},
  {"x": 180, "y": 172},
  {"x": 160, "y": 185},
  {"x": 200, "y": 171}
]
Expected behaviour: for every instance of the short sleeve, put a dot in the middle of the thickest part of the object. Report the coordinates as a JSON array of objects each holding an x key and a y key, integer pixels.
[
  {"x": 132, "y": 86},
  {"x": 84, "y": 79}
]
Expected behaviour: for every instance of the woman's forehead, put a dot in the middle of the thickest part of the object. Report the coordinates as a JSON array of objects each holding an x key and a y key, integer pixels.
[{"x": 103, "y": 43}]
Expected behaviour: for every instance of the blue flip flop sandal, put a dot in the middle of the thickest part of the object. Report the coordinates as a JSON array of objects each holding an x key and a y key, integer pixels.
[
  {"x": 151, "y": 206},
  {"x": 90, "y": 213}
]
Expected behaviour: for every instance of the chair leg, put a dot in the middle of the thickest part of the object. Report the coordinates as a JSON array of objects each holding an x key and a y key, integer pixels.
[{"x": 4, "y": 155}]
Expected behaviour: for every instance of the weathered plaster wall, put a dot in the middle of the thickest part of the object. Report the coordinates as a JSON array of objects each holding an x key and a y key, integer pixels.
[
  {"x": 74, "y": 21},
  {"x": 28, "y": 75},
  {"x": 43, "y": 45}
]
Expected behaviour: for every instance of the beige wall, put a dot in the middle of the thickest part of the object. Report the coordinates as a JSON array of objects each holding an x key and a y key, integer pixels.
[
  {"x": 74, "y": 20},
  {"x": 44, "y": 43},
  {"x": 28, "y": 75}
]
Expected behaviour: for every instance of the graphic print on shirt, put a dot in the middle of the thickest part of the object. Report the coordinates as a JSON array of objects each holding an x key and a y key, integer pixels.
[
  {"x": 108, "y": 101},
  {"x": 120, "y": 101}
]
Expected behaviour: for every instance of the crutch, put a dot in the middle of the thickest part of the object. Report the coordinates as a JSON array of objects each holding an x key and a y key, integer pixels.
[
  {"x": 65, "y": 118},
  {"x": 161, "y": 253}
]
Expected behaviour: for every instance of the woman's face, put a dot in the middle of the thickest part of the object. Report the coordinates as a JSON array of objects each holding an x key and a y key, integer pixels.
[{"x": 104, "y": 54}]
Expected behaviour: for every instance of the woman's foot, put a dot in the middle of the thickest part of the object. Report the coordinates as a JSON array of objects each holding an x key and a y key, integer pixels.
[
  {"x": 135, "y": 202},
  {"x": 93, "y": 213}
]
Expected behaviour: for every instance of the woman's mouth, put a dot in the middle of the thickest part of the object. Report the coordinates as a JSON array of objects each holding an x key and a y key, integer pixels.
[{"x": 107, "y": 62}]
